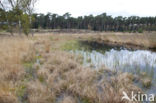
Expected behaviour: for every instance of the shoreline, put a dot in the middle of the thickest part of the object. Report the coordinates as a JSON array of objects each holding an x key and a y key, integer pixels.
[{"x": 128, "y": 41}]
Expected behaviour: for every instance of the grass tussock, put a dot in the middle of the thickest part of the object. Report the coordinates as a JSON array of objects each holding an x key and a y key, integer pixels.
[
  {"x": 64, "y": 76},
  {"x": 33, "y": 72}
]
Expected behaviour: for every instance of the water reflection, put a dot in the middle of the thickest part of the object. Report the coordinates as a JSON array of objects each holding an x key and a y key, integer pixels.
[{"x": 136, "y": 62}]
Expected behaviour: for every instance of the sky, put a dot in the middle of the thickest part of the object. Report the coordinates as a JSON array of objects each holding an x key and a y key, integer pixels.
[{"x": 95, "y": 7}]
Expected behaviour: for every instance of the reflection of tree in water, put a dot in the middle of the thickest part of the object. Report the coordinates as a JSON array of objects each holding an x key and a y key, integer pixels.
[{"x": 136, "y": 62}]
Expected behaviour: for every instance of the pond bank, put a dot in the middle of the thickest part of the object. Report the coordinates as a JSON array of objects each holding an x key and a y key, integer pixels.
[
  {"x": 140, "y": 63},
  {"x": 129, "y": 41}
]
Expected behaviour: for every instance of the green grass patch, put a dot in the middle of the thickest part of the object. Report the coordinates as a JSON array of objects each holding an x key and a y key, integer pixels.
[
  {"x": 75, "y": 45},
  {"x": 29, "y": 71},
  {"x": 71, "y": 45},
  {"x": 51, "y": 38},
  {"x": 85, "y": 100},
  {"x": 21, "y": 92},
  {"x": 28, "y": 64}
]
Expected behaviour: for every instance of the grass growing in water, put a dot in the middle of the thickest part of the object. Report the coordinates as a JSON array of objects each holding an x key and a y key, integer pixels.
[{"x": 61, "y": 72}]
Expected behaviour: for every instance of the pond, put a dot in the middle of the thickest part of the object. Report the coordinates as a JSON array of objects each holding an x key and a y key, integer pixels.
[{"x": 137, "y": 62}]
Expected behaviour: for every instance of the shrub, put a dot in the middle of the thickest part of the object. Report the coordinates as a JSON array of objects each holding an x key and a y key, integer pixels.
[{"x": 140, "y": 30}]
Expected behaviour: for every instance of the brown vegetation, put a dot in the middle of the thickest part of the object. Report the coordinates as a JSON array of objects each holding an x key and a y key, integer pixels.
[
  {"x": 35, "y": 70},
  {"x": 128, "y": 40}
]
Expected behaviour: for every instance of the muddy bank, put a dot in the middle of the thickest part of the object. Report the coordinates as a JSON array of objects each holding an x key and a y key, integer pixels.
[
  {"x": 109, "y": 44},
  {"x": 99, "y": 45},
  {"x": 131, "y": 42}
]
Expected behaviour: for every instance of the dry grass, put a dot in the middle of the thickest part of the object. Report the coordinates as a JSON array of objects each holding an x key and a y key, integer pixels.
[
  {"x": 11, "y": 70},
  {"x": 130, "y": 40},
  {"x": 64, "y": 76},
  {"x": 57, "y": 77}
]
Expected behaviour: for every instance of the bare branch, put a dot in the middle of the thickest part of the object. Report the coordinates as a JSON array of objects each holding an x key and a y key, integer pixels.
[
  {"x": 2, "y": 5},
  {"x": 12, "y": 3}
]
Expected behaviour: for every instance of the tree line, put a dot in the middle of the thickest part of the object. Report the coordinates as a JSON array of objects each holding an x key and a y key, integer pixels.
[
  {"x": 102, "y": 22},
  {"x": 18, "y": 15}
]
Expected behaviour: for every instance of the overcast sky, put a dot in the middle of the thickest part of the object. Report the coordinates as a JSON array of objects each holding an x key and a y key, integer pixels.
[{"x": 86, "y": 7}]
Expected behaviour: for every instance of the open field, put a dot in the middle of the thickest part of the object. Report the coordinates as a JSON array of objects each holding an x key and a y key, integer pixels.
[
  {"x": 146, "y": 40},
  {"x": 39, "y": 69}
]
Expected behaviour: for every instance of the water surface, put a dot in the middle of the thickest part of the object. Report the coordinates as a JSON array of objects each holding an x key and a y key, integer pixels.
[{"x": 137, "y": 62}]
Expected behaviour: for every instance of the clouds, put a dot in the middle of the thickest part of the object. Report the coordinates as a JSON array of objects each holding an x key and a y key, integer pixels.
[{"x": 86, "y": 7}]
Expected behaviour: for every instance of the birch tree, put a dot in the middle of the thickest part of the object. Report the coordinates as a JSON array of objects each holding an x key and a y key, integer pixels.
[
  {"x": 28, "y": 7},
  {"x": 21, "y": 7}
]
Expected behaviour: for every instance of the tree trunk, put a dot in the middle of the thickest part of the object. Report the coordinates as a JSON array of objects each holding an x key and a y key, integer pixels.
[
  {"x": 19, "y": 25},
  {"x": 10, "y": 28},
  {"x": 11, "y": 31},
  {"x": 30, "y": 20}
]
